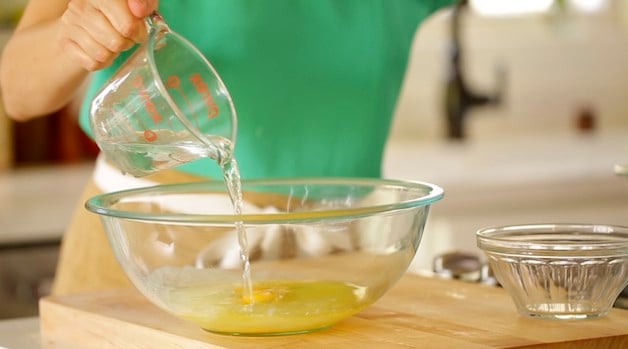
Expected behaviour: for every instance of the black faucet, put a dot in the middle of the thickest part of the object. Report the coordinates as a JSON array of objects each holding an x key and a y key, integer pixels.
[{"x": 459, "y": 98}]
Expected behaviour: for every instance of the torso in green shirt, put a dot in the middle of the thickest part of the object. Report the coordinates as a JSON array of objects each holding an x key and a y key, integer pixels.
[{"x": 315, "y": 82}]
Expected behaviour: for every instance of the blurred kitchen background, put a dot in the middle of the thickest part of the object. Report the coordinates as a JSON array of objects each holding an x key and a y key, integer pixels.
[{"x": 519, "y": 109}]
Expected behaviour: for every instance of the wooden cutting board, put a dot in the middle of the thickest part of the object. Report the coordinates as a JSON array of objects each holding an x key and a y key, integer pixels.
[{"x": 419, "y": 312}]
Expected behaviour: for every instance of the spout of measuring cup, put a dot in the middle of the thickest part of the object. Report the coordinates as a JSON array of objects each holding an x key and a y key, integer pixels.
[{"x": 155, "y": 21}]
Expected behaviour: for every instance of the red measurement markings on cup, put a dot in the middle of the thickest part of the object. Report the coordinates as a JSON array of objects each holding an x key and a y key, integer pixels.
[
  {"x": 149, "y": 105},
  {"x": 174, "y": 82},
  {"x": 208, "y": 99}
]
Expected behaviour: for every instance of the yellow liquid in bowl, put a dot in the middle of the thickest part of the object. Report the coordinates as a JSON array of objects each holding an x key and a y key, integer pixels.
[{"x": 276, "y": 307}]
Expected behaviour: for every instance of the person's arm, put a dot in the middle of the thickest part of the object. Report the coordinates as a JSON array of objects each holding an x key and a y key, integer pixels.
[{"x": 57, "y": 43}]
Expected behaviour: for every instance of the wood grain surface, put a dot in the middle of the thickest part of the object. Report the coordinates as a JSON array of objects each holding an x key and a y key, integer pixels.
[{"x": 419, "y": 312}]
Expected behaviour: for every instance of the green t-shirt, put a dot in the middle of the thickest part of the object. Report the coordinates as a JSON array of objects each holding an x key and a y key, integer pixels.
[{"x": 315, "y": 82}]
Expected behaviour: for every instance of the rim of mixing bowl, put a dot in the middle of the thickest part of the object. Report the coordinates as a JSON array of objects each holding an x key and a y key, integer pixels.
[
  {"x": 101, "y": 204},
  {"x": 549, "y": 239}
]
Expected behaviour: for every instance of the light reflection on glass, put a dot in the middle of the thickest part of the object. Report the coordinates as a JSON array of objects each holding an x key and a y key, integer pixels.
[
  {"x": 510, "y": 8},
  {"x": 589, "y": 5},
  {"x": 516, "y": 8}
]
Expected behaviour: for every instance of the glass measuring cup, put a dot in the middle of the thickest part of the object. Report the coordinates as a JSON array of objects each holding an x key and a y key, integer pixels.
[{"x": 165, "y": 106}]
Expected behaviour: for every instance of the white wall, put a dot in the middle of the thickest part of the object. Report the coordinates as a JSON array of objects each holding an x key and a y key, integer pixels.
[{"x": 555, "y": 65}]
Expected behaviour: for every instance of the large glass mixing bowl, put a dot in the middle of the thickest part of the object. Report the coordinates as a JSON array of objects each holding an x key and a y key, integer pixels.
[{"x": 320, "y": 250}]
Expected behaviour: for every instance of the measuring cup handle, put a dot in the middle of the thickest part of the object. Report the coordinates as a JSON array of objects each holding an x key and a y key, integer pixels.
[{"x": 156, "y": 21}]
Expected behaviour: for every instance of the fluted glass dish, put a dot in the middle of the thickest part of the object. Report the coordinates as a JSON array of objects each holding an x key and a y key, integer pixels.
[
  {"x": 320, "y": 249},
  {"x": 559, "y": 271}
]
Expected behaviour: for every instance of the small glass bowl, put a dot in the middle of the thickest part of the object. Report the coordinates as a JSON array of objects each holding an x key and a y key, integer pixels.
[{"x": 559, "y": 271}]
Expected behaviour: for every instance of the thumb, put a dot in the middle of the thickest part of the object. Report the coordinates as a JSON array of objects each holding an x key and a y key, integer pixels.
[{"x": 142, "y": 8}]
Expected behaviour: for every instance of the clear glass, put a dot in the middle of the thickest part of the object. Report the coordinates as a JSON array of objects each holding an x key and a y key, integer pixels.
[
  {"x": 321, "y": 250},
  {"x": 559, "y": 271},
  {"x": 165, "y": 106}
]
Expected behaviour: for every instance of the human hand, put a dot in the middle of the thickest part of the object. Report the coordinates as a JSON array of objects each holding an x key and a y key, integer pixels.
[{"x": 94, "y": 32}]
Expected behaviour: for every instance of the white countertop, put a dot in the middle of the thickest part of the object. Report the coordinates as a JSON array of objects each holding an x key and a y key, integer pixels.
[
  {"x": 36, "y": 203},
  {"x": 517, "y": 180},
  {"x": 517, "y": 160},
  {"x": 21, "y": 333}
]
